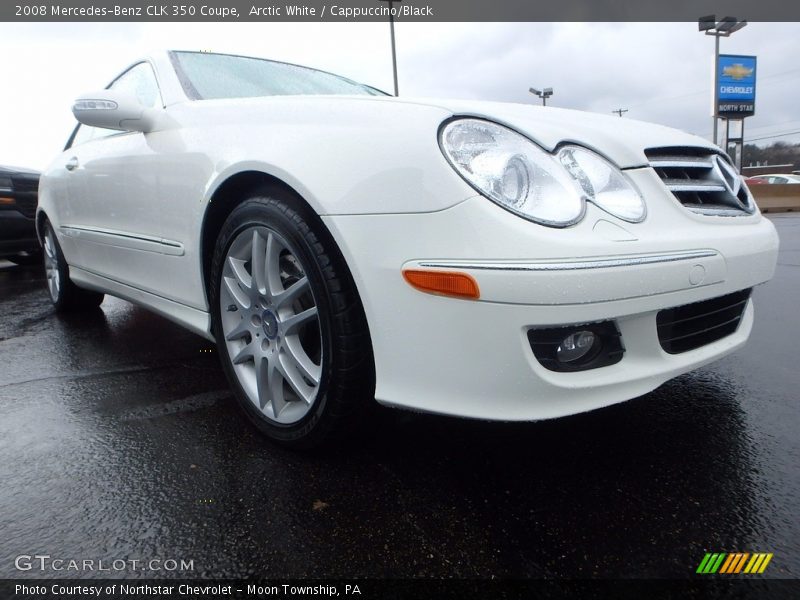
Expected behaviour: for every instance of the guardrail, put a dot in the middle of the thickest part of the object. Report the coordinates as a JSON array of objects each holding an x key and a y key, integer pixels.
[{"x": 776, "y": 197}]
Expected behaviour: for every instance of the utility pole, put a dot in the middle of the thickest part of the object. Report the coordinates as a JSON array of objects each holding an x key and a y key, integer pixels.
[
  {"x": 394, "y": 52},
  {"x": 620, "y": 111}
]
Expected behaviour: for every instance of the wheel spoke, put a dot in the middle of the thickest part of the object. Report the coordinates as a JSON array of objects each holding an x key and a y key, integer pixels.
[
  {"x": 288, "y": 370},
  {"x": 238, "y": 332},
  {"x": 297, "y": 357},
  {"x": 243, "y": 278},
  {"x": 247, "y": 352},
  {"x": 290, "y": 295},
  {"x": 272, "y": 265},
  {"x": 240, "y": 296},
  {"x": 291, "y": 324},
  {"x": 258, "y": 256},
  {"x": 275, "y": 385},
  {"x": 262, "y": 388}
]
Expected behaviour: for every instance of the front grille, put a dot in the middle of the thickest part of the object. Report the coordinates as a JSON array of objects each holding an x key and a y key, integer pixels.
[
  {"x": 702, "y": 180},
  {"x": 687, "y": 327}
]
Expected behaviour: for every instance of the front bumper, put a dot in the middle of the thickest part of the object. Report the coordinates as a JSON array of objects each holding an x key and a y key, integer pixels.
[{"x": 473, "y": 358}]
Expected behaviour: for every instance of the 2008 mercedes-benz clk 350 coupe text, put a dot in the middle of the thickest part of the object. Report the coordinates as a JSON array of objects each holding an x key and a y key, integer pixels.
[{"x": 486, "y": 260}]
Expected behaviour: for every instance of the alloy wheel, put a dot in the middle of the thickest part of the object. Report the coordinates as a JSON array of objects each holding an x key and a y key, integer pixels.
[
  {"x": 270, "y": 324},
  {"x": 51, "y": 265}
]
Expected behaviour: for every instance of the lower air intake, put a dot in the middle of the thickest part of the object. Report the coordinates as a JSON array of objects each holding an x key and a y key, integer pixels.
[{"x": 691, "y": 326}]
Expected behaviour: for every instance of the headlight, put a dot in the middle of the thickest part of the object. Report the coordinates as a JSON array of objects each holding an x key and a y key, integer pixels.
[
  {"x": 522, "y": 177},
  {"x": 513, "y": 171},
  {"x": 602, "y": 183}
]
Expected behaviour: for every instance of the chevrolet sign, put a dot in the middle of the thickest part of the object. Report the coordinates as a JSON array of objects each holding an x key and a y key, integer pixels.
[{"x": 737, "y": 85}]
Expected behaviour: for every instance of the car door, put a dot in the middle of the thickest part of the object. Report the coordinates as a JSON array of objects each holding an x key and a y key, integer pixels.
[{"x": 113, "y": 194}]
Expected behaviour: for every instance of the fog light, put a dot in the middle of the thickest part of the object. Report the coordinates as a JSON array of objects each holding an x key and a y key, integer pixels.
[
  {"x": 576, "y": 346},
  {"x": 570, "y": 348}
]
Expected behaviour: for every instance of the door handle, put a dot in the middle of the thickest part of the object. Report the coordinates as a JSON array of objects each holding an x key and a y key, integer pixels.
[{"x": 72, "y": 164}]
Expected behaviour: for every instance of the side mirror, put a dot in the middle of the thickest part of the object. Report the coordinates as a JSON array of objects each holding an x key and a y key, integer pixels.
[{"x": 111, "y": 109}]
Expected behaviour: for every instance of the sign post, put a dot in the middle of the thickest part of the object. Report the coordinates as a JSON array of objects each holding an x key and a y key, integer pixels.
[
  {"x": 736, "y": 99},
  {"x": 734, "y": 140}
]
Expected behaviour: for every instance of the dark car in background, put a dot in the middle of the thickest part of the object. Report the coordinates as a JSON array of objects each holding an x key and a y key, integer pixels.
[{"x": 19, "y": 192}]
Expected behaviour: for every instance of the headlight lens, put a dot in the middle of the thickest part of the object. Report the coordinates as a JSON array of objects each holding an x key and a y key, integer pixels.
[
  {"x": 519, "y": 175},
  {"x": 513, "y": 171},
  {"x": 602, "y": 183}
]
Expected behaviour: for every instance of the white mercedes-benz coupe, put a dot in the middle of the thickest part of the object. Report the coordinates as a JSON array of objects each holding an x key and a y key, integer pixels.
[{"x": 485, "y": 260}]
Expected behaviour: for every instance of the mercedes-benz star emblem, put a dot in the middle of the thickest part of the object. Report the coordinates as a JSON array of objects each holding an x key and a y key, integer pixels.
[{"x": 728, "y": 176}]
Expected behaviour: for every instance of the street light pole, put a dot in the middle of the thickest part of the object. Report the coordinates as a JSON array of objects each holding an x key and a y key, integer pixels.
[
  {"x": 716, "y": 88},
  {"x": 724, "y": 28},
  {"x": 394, "y": 52},
  {"x": 544, "y": 94}
]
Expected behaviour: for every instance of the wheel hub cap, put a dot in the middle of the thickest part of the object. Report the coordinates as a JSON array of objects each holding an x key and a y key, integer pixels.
[{"x": 269, "y": 323}]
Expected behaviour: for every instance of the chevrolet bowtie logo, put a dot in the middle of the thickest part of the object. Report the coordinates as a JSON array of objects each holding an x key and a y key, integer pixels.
[{"x": 737, "y": 71}]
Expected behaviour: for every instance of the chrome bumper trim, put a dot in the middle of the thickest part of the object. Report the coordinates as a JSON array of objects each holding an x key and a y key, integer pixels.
[{"x": 579, "y": 265}]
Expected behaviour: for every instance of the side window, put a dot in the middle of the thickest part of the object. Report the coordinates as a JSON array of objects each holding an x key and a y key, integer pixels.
[
  {"x": 139, "y": 81},
  {"x": 86, "y": 133}
]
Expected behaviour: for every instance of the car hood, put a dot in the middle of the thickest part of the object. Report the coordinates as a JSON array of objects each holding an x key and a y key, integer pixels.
[{"x": 622, "y": 140}]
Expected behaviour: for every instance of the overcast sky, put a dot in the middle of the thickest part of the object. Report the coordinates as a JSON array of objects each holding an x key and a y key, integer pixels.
[{"x": 659, "y": 72}]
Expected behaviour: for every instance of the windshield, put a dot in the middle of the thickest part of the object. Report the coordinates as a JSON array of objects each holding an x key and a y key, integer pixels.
[{"x": 205, "y": 76}]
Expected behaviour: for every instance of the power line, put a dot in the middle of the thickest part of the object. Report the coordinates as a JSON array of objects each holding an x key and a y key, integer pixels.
[
  {"x": 690, "y": 94},
  {"x": 763, "y": 137},
  {"x": 774, "y": 124},
  {"x": 778, "y": 74},
  {"x": 769, "y": 137}
]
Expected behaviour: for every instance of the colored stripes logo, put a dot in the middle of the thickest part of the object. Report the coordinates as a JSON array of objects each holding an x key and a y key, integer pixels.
[{"x": 734, "y": 563}]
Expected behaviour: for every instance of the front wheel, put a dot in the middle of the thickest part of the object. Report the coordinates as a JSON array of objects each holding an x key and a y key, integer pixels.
[{"x": 289, "y": 324}]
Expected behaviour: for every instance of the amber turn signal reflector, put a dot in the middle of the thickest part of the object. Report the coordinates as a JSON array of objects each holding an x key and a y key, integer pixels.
[
  {"x": 446, "y": 283},
  {"x": 7, "y": 201}
]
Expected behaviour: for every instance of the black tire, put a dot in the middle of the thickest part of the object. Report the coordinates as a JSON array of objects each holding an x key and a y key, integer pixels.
[
  {"x": 65, "y": 295},
  {"x": 26, "y": 260},
  {"x": 347, "y": 383}
]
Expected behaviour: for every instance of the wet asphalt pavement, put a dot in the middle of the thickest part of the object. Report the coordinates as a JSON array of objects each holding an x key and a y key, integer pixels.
[{"x": 119, "y": 439}]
